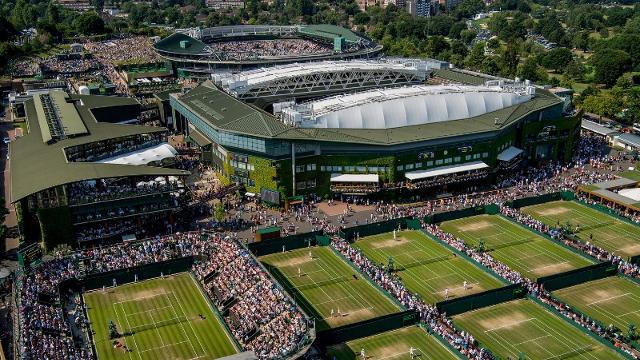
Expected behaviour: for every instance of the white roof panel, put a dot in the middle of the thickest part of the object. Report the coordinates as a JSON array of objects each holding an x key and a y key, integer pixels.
[
  {"x": 404, "y": 106},
  {"x": 633, "y": 194},
  {"x": 445, "y": 170},
  {"x": 143, "y": 156},
  {"x": 355, "y": 178},
  {"x": 509, "y": 153}
]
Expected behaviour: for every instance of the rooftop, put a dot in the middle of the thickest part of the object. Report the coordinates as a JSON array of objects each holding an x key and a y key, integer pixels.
[
  {"x": 244, "y": 81},
  {"x": 224, "y": 112},
  {"x": 36, "y": 165},
  {"x": 405, "y": 106}
]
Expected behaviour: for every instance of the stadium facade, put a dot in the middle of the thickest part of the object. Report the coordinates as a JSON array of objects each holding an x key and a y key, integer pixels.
[
  {"x": 200, "y": 52},
  {"x": 80, "y": 175},
  {"x": 458, "y": 128}
]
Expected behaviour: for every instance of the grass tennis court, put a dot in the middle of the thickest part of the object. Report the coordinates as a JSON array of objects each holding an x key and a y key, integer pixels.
[
  {"x": 609, "y": 233},
  {"x": 162, "y": 319},
  {"x": 522, "y": 250},
  {"x": 324, "y": 282},
  {"x": 393, "y": 345},
  {"x": 524, "y": 327},
  {"x": 612, "y": 300},
  {"x": 426, "y": 267}
]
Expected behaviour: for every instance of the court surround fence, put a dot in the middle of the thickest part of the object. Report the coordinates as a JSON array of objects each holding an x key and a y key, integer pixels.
[
  {"x": 540, "y": 199},
  {"x": 288, "y": 243},
  {"x": 484, "y": 299},
  {"x": 351, "y": 233},
  {"x": 578, "y": 276}
]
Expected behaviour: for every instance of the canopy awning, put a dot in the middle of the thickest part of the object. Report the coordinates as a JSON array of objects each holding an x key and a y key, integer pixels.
[
  {"x": 355, "y": 178},
  {"x": 509, "y": 153},
  {"x": 445, "y": 170},
  {"x": 198, "y": 137},
  {"x": 633, "y": 193},
  {"x": 143, "y": 156}
]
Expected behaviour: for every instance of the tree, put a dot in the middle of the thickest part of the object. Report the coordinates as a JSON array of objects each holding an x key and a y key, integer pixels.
[
  {"x": 89, "y": 23},
  {"x": 529, "y": 70},
  {"x": 557, "y": 59},
  {"x": 218, "y": 212},
  {"x": 609, "y": 65}
]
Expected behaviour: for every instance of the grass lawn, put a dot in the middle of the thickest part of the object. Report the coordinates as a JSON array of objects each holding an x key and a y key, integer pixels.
[
  {"x": 612, "y": 300},
  {"x": 393, "y": 344},
  {"x": 522, "y": 250},
  {"x": 631, "y": 175},
  {"x": 324, "y": 283},
  {"x": 522, "y": 327},
  {"x": 160, "y": 319},
  {"x": 426, "y": 267},
  {"x": 605, "y": 231}
]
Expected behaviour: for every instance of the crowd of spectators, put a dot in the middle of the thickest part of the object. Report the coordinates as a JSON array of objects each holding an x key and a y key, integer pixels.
[
  {"x": 462, "y": 341},
  {"x": 534, "y": 289},
  {"x": 262, "y": 49},
  {"x": 278, "y": 326}
]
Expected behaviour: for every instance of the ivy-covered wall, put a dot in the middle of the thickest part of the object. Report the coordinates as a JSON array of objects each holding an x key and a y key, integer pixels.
[
  {"x": 264, "y": 174},
  {"x": 560, "y": 135},
  {"x": 55, "y": 227}
]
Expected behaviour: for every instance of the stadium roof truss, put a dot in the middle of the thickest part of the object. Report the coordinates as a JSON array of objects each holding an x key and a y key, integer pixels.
[{"x": 318, "y": 78}]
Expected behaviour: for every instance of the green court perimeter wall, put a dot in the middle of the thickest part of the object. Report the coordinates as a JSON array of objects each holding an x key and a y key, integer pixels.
[
  {"x": 476, "y": 301},
  {"x": 124, "y": 276},
  {"x": 369, "y": 327},
  {"x": 490, "y": 209},
  {"x": 535, "y": 200},
  {"x": 292, "y": 242},
  {"x": 578, "y": 276},
  {"x": 351, "y": 233}
]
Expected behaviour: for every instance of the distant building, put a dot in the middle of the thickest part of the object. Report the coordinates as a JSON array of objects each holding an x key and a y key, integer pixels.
[
  {"x": 224, "y": 4},
  {"x": 78, "y": 5},
  {"x": 422, "y": 8},
  {"x": 365, "y": 4},
  {"x": 451, "y": 4}
]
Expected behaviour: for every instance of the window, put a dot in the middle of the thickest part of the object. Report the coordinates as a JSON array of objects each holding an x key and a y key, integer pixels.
[
  {"x": 349, "y": 168},
  {"x": 485, "y": 155},
  {"x": 418, "y": 165},
  {"x": 299, "y": 169},
  {"x": 311, "y": 183},
  {"x": 429, "y": 163},
  {"x": 467, "y": 157},
  {"x": 311, "y": 167},
  {"x": 476, "y": 156},
  {"x": 373, "y": 169},
  {"x": 400, "y": 167},
  {"x": 456, "y": 158},
  {"x": 438, "y": 162},
  {"x": 337, "y": 168},
  {"x": 447, "y": 160},
  {"x": 323, "y": 168},
  {"x": 409, "y": 167},
  {"x": 361, "y": 169}
]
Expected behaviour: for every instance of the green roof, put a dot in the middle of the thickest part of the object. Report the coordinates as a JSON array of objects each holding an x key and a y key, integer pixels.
[
  {"x": 460, "y": 77},
  {"x": 172, "y": 44},
  {"x": 330, "y": 32},
  {"x": 224, "y": 112},
  {"x": 62, "y": 112},
  {"x": 36, "y": 166}
]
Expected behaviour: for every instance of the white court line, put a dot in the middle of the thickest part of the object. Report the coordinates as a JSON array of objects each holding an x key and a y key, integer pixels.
[
  {"x": 556, "y": 264},
  {"x": 607, "y": 299},
  {"x": 146, "y": 311},
  {"x": 164, "y": 346},
  {"x": 133, "y": 337},
  {"x": 191, "y": 325},
  {"x": 122, "y": 324},
  {"x": 509, "y": 325},
  {"x": 536, "y": 339}
]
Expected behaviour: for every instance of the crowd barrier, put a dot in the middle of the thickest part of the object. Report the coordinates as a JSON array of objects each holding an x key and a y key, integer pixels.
[
  {"x": 578, "y": 276},
  {"x": 291, "y": 242},
  {"x": 490, "y": 209},
  {"x": 350, "y": 234},
  {"x": 370, "y": 327},
  {"x": 125, "y": 276},
  {"x": 476, "y": 301}
]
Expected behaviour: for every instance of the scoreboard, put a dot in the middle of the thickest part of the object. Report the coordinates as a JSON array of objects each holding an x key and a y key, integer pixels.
[{"x": 29, "y": 254}]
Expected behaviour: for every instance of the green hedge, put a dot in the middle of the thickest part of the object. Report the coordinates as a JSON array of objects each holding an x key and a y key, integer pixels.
[{"x": 55, "y": 227}]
